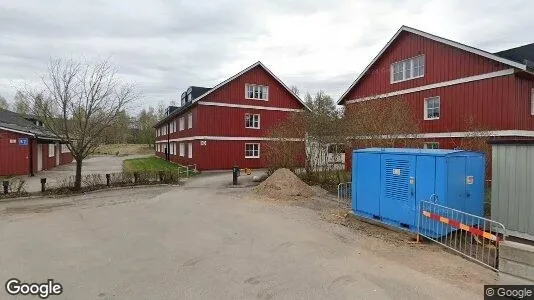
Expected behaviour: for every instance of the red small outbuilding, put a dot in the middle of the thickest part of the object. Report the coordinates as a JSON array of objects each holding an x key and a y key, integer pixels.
[{"x": 27, "y": 147}]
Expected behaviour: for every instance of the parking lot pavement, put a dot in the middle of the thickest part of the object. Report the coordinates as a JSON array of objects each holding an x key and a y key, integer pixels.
[
  {"x": 96, "y": 164},
  {"x": 202, "y": 240}
]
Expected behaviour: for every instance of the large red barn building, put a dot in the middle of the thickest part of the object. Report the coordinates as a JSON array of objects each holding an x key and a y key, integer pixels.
[
  {"x": 26, "y": 147},
  {"x": 444, "y": 83},
  {"x": 217, "y": 128}
]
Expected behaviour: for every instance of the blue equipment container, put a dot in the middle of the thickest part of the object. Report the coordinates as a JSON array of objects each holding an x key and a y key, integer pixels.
[{"x": 389, "y": 183}]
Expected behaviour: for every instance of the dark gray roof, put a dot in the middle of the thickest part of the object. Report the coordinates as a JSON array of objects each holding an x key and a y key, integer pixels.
[
  {"x": 23, "y": 123},
  {"x": 519, "y": 54}
]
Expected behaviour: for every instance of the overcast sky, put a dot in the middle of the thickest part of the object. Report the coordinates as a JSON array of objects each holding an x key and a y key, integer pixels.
[{"x": 165, "y": 46}]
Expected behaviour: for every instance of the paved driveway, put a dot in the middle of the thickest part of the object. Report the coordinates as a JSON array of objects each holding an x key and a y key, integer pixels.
[
  {"x": 95, "y": 164},
  {"x": 208, "y": 241}
]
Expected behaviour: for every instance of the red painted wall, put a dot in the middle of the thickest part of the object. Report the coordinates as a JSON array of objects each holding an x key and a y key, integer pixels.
[
  {"x": 501, "y": 103},
  {"x": 234, "y": 91},
  {"x": 230, "y": 122},
  {"x": 442, "y": 63},
  {"x": 222, "y": 155},
  {"x": 14, "y": 158}
]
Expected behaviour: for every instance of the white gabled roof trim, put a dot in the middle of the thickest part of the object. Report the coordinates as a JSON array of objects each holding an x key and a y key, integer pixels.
[
  {"x": 228, "y": 138},
  {"x": 436, "y": 85},
  {"x": 259, "y": 63},
  {"x": 437, "y": 39},
  {"x": 17, "y": 131},
  {"x": 247, "y": 106}
]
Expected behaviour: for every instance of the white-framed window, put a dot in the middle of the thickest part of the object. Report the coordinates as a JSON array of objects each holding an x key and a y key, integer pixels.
[
  {"x": 182, "y": 149},
  {"x": 532, "y": 102},
  {"x": 252, "y": 121},
  {"x": 172, "y": 148},
  {"x": 64, "y": 148},
  {"x": 190, "y": 120},
  {"x": 408, "y": 69},
  {"x": 182, "y": 125},
  {"x": 173, "y": 126},
  {"x": 432, "y": 110},
  {"x": 51, "y": 150},
  {"x": 256, "y": 91},
  {"x": 252, "y": 150},
  {"x": 431, "y": 145},
  {"x": 190, "y": 150}
]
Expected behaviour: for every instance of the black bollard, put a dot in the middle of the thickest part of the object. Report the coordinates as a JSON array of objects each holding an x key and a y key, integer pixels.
[
  {"x": 6, "y": 186},
  {"x": 160, "y": 173},
  {"x": 108, "y": 180},
  {"x": 235, "y": 174},
  {"x": 136, "y": 177},
  {"x": 43, "y": 184}
]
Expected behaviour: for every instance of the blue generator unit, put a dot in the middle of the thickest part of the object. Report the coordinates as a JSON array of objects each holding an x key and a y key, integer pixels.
[{"x": 389, "y": 183}]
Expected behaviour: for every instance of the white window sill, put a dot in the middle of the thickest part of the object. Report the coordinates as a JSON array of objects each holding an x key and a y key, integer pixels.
[
  {"x": 398, "y": 81},
  {"x": 256, "y": 99},
  {"x": 252, "y": 157},
  {"x": 431, "y": 119},
  {"x": 252, "y": 127}
]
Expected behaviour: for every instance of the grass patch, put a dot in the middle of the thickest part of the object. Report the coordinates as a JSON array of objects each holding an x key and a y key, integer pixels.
[{"x": 149, "y": 164}]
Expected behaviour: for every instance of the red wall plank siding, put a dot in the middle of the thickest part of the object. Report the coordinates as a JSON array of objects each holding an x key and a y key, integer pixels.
[
  {"x": 442, "y": 63},
  {"x": 14, "y": 158},
  {"x": 227, "y": 121},
  {"x": 234, "y": 91},
  {"x": 501, "y": 103},
  {"x": 222, "y": 155}
]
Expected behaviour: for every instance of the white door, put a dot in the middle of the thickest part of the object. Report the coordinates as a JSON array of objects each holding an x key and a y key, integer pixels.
[
  {"x": 57, "y": 154},
  {"x": 39, "y": 157}
]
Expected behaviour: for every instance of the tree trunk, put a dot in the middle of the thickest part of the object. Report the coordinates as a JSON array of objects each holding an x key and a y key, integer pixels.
[{"x": 78, "y": 179}]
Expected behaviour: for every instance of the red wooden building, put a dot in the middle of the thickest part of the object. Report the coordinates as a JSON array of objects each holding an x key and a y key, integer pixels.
[
  {"x": 26, "y": 147},
  {"x": 445, "y": 83},
  {"x": 216, "y": 128}
]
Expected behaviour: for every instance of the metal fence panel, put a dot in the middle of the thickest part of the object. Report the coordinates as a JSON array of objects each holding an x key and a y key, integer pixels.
[
  {"x": 344, "y": 193},
  {"x": 475, "y": 237}
]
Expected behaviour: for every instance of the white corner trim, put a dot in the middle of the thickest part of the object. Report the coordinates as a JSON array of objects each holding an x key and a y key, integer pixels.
[
  {"x": 437, "y": 85},
  {"x": 437, "y": 39},
  {"x": 248, "y": 106},
  {"x": 462, "y": 134},
  {"x": 227, "y": 138}
]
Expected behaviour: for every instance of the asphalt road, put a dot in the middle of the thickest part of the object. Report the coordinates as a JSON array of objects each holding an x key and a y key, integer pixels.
[{"x": 205, "y": 241}]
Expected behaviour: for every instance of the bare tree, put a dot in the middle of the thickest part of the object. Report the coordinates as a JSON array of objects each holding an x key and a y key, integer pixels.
[
  {"x": 78, "y": 101},
  {"x": 20, "y": 103},
  {"x": 3, "y": 103},
  {"x": 385, "y": 122}
]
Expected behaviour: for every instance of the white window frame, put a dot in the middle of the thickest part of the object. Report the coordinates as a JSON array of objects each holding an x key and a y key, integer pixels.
[
  {"x": 51, "y": 150},
  {"x": 253, "y": 150},
  {"x": 182, "y": 125},
  {"x": 189, "y": 120},
  {"x": 189, "y": 150},
  {"x": 64, "y": 148},
  {"x": 182, "y": 149},
  {"x": 407, "y": 66},
  {"x": 426, "y": 117},
  {"x": 254, "y": 122},
  {"x": 532, "y": 102},
  {"x": 258, "y": 92},
  {"x": 428, "y": 145}
]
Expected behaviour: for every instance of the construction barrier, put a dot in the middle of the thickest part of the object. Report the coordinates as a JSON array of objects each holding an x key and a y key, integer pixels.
[
  {"x": 344, "y": 193},
  {"x": 472, "y": 236}
]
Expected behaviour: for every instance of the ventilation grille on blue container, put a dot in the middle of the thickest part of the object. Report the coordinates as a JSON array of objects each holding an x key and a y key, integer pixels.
[{"x": 397, "y": 179}]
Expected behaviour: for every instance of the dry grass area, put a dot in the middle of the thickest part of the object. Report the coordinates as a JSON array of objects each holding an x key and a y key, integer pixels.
[{"x": 123, "y": 149}]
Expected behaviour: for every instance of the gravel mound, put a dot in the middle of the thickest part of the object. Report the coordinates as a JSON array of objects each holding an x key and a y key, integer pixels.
[{"x": 284, "y": 184}]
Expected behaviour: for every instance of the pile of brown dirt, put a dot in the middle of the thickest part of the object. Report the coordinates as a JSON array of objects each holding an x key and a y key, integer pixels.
[{"x": 284, "y": 184}]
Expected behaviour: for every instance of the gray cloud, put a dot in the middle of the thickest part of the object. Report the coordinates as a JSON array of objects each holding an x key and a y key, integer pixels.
[{"x": 164, "y": 46}]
